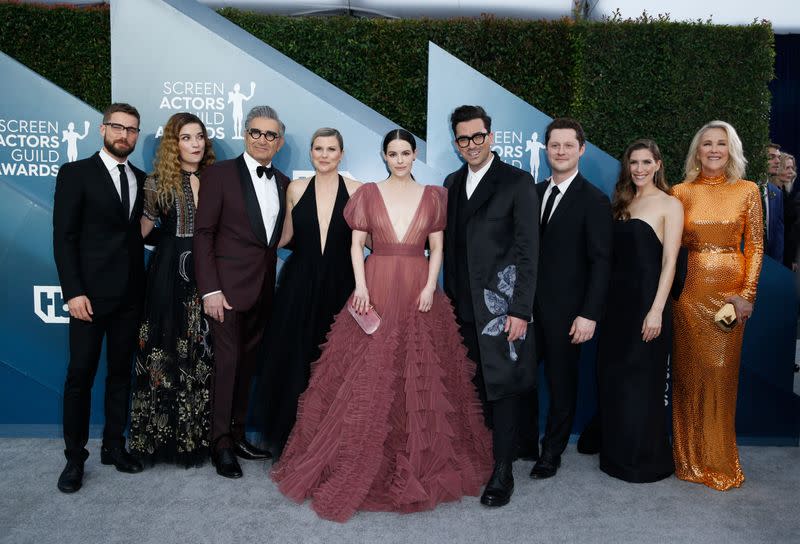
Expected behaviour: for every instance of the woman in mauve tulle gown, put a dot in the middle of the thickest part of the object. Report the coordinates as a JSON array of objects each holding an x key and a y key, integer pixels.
[{"x": 390, "y": 421}]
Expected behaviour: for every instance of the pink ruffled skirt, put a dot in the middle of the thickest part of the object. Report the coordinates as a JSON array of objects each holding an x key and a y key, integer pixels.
[{"x": 389, "y": 422}]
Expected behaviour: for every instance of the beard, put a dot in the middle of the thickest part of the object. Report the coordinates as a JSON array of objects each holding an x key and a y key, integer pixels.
[{"x": 119, "y": 148}]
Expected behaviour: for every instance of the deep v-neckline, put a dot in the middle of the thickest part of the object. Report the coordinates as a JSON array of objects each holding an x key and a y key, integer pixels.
[
  {"x": 313, "y": 183},
  {"x": 389, "y": 217}
]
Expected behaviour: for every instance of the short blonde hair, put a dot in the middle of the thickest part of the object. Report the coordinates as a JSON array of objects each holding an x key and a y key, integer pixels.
[
  {"x": 737, "y": 164},
  {"x": 782, "y": 164}
]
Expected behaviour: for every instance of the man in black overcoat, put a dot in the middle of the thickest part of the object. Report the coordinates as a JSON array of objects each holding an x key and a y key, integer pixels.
[
  {"x": 490, "y": 263},
  {"x": 99, "y": 254}
]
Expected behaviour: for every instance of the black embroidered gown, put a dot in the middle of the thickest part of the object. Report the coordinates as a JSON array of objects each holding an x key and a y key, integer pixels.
[
  {"x": 170, "y": 406},
  {"x": 312, "y": 287}
]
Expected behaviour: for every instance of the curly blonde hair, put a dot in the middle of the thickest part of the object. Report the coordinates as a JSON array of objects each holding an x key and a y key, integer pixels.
[
  {"x": 737, "y": 163},
  {"x": 167, "y": 164}
]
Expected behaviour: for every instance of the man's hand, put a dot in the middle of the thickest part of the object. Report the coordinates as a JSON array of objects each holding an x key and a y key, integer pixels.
[
  {"x": 80, "y": 308},
  {"x": 515, "y": 327},
  {"x": 215, "y": 306},
  {"x": 582, "y": 330}
]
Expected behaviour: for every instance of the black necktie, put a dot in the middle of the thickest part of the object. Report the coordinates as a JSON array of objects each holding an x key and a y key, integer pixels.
[
  {"x": 548, "y": 208},
  {"x": 268, "y": 170},
  {"x": 124, "y": 190}
]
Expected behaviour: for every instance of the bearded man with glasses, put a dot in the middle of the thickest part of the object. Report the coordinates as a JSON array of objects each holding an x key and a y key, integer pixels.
[
  {"x": 239, "y": 222},
  {"x": 99, "y": 254}
]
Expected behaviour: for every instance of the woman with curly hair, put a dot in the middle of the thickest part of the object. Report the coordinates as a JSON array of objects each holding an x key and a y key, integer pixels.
[{"x": 171, "y": 397}]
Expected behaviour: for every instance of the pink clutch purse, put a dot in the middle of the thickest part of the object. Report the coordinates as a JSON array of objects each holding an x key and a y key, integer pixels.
[{"x": 369, "y": 322}]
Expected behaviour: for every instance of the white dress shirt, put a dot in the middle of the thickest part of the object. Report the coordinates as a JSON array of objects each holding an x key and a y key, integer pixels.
[
  {"x": 112, "y": 165},
  {"x": 562, "y": 189},
  {"x": 266, "y": 193},
  {"x": 474, "y": 178}
]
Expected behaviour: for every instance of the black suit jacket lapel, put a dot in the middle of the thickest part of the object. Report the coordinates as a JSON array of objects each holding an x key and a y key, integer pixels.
[
  {"x": 251, "y": 201},
  {"x": 569, "y": 198},
  {"x": 485, "y": 188},
  {"x": 108, "y": 187},
  {"x": 454, "y": 191},
  {"x": 277, "y": 231},
  {"x": 138, "y": 203}
]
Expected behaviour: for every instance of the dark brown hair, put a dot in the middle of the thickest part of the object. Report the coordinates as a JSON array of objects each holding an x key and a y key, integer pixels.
[
  {"x": 625, "y": 190},
  {"x": 120, "y": 107},
  {"x": 468, "y": 113},
  {"x": 565, "y": 122}
]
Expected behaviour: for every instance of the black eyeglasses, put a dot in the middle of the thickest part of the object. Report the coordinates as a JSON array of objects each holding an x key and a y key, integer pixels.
[
  {"x": 478, "y": 138},
  {"x": 268, "y": 135},
  {"x": 119, "y": 129}
]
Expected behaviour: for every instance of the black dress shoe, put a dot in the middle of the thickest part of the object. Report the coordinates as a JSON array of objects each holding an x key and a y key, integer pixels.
[
  {"x": 500, "y": 487},
  {"x": 121, "y": 459},
  {"x": 244, "y": 449},
  {"x": 226, "y": 463},
  {"x": 546, "y": 467},
  {"x": 71, "y": 478}
]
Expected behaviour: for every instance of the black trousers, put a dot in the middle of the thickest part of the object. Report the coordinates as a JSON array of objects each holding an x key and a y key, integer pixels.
[
  {"x": 119, "y": 327},
  {"x": 501, "y": 414},
  {"x": 560, "y": 358}
]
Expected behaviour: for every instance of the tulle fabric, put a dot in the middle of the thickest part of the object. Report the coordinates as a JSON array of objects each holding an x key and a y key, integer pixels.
[{"x": 392, "y": 421}]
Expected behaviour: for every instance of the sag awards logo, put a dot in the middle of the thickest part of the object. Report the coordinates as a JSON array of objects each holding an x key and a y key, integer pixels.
[
  {"x": 49, "y": 304},
  {"x": 515, "y": 146},
  {"x": 37, "y": 147},
  {"x": 211, "y": 102}
]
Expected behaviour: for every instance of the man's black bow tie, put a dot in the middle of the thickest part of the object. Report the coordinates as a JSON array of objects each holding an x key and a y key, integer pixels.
[{"x": 268, "y": 170}]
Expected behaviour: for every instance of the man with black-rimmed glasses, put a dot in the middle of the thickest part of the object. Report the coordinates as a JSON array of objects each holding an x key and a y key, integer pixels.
[
  {"x": 99, "y": 254},
  {"x": 490, "y": 263},
  {"x": 239, "y": 221}
]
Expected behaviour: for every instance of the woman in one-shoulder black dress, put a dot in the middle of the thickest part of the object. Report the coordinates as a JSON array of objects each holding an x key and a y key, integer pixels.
[
  {"x": 313, "y": 286},
  {"x": 636, "y": 333}
]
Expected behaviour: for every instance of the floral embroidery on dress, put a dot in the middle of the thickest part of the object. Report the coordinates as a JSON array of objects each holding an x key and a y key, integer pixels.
[{"x": 171, "y": 400}]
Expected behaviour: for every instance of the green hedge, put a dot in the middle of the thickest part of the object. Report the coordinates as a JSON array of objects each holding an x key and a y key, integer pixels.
[
  {"x": 69, "y": 46},
  {"x": 621, "y": 79}
]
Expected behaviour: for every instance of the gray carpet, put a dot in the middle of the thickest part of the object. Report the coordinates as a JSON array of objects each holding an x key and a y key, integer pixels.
[{"x": 166, "y": 504}]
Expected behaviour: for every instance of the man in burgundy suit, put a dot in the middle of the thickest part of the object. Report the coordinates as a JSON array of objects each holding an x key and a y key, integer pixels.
[{"x": 238, "y": 225}]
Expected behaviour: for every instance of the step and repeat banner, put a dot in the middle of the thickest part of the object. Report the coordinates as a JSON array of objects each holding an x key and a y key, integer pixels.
[{"x": 195, "y": 60}]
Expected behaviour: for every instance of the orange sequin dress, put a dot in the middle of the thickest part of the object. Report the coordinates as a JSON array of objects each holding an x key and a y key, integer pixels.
[{"x": 718, "y": 216}]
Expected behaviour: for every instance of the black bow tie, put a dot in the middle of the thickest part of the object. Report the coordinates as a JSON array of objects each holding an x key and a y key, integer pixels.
[{"x": 268, "y": 170}]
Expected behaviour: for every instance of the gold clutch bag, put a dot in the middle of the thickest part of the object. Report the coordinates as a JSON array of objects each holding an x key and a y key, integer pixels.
[{"x": 725, "y": 318}]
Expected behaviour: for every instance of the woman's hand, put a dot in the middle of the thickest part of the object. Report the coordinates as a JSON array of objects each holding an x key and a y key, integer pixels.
[
  {"x": 426, "y": 299},
  {"x": 744, "y": 309},
  {"x": 361, "y": 300},
  {"x": 651, "y": 327}
]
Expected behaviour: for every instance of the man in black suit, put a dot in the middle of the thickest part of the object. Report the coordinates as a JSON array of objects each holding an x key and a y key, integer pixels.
[
  {"x": 490, "y": 257},
  {"x": 99, "y": 253},
  {"x": 574, "y": 266}
]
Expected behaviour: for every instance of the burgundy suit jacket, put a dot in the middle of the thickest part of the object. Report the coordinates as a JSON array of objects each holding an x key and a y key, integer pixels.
[{"x": 231, "y": 251}]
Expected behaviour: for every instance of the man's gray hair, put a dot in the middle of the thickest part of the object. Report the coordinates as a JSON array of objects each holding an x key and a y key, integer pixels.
[{"x": 267, "y": 112}]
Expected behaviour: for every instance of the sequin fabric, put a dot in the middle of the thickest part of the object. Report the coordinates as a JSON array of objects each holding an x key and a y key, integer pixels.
[{"x": 723, "y": 231}]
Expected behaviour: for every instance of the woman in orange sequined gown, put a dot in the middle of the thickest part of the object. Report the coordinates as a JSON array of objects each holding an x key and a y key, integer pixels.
[{"x": 721, "y": 211}]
